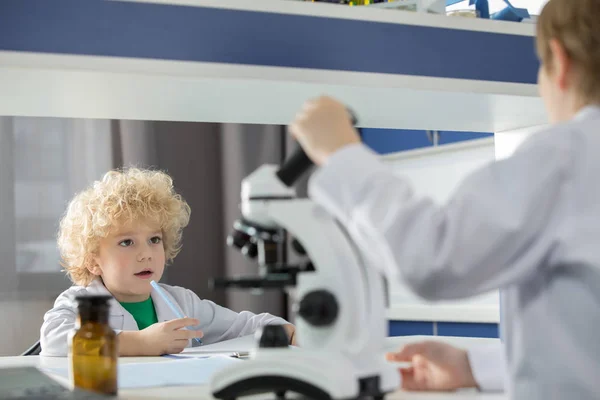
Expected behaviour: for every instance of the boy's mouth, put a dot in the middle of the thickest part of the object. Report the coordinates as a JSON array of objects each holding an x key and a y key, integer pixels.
[{"x": 144, "y": 274}]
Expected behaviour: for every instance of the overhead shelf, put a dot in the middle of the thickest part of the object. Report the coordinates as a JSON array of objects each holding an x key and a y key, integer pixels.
[{"x": 257, "y": 62}]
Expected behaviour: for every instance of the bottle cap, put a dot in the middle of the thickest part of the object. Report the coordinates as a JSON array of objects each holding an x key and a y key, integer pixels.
[{"x": 93, "y": 300}]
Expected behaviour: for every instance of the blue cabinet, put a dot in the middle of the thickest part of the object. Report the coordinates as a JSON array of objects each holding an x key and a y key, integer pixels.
[
  {"x": 385, "y": 141},
  {"x": 410, "y": 328},
  {"x": 447, "y": 137},
  {"x": 467, "y": 329}
]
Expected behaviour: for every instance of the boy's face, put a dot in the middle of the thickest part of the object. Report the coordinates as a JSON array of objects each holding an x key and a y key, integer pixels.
[{"x": 128, "y": 259}]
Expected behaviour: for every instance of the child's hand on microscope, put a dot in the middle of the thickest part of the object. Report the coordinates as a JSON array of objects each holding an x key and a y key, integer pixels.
[{"x": 322, "y": 127}]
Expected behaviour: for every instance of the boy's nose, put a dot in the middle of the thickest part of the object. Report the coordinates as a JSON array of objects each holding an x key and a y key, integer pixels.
[{"x": 144, "y": 257}]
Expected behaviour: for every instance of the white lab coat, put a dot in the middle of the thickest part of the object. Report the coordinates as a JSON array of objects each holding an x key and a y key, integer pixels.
[
  {"x": 529, "y": 224},
  {"x": 488, "y": 366},
  {"x": 218, "y": 323}
]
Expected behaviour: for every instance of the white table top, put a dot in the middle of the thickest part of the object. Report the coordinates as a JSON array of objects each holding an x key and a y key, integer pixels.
[{"x": 202, "y": 392}]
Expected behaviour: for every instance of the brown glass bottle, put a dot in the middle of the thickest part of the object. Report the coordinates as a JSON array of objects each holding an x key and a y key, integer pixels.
[{"x": 93, "y": 348}]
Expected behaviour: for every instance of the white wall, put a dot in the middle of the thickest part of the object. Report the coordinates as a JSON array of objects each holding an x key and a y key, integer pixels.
[
  {"x": 21, "y": 319},
  {"x": 436, "y": 172},
  {"x": 507, "y": 142},
  {"x": 43, "y": 162}
]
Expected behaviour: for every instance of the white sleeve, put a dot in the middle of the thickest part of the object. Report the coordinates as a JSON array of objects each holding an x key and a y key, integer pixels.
[
  {"x": 219, "y": 323},
  {"x": 488, "y": 366},
  {"x": 497, "y": 228},
  {"x": 58, "y": 323}
]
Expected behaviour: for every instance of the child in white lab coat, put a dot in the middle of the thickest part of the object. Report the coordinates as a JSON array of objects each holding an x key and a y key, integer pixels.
[
  {"x": 529, "y": 225},
  {"x": 115, "y": 238}
]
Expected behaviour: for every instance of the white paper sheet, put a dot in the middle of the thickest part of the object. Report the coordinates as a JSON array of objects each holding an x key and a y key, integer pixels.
[{"x": 179, "y": 372}]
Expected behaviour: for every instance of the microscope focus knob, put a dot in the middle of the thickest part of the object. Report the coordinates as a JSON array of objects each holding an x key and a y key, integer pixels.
[
  {"x": 272, "y": 336},
  {"x": 319, "y": 308},
  {"x": 250, "y": 250}
]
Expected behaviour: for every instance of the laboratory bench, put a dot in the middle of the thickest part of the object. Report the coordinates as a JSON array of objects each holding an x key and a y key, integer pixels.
[{"x": 202, "y": 391}]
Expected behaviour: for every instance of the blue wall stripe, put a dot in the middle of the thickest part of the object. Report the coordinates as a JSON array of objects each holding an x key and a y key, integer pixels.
[
  {"x": 385, "y": 141},
  {"x": 501, "y": 325},
  {"x": 407, "y": 328},
  {"x": 174, "y": 32},
  {"x": 467, "y": 329}
]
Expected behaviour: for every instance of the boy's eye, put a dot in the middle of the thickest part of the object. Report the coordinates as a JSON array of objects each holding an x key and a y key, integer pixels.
[
  {"x": 126, "y": 243},
  {"x": 156, "y": 240}
]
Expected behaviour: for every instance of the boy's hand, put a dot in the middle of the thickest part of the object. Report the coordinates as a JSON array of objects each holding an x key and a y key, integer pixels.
[
  {"x": 291, "y": 332},
  {"x": 168, "y": 337},
  {"x": 322, "y": 127},
  {"x": 435, "y": 366}
]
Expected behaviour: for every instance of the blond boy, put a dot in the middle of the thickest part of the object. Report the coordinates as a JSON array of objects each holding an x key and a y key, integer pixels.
[{"x": 115, "y": 238}]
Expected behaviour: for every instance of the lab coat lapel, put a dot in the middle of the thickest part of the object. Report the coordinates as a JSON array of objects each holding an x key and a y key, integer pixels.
[
  {"x": 118, "y": 318},
  {"x": 163, "y": 311}
]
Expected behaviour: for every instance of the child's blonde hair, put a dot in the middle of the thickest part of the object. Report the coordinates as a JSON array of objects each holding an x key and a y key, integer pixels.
[
  {"x": 575, "y": 24},
  {"x": 119, "y": 198}
]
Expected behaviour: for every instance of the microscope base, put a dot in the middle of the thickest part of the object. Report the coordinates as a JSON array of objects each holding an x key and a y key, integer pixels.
[{"x": 315, "y": 375}]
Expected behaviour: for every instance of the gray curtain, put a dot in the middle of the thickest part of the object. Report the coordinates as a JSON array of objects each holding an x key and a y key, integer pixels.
[
  {"x": 207, "y": 162},
  {"x": 243, "y": 149},
  {"x": 8, "y": 272}
]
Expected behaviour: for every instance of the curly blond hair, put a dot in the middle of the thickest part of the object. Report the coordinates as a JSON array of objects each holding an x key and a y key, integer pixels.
[{"x": 121, "y": 197}]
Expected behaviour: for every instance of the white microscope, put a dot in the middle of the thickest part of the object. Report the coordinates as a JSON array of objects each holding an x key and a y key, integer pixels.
[{"x": 341, "y": 324}]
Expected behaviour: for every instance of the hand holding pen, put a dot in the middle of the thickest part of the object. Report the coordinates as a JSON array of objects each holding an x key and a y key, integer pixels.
[
  {"x": 169, "y": 337},
  {"x": 176, "y": 311}
]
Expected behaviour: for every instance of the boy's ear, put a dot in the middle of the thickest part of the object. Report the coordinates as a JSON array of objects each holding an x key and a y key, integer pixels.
[
  {"x": 561, "y": 63},
  {"x": 94, "y": 268}
]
